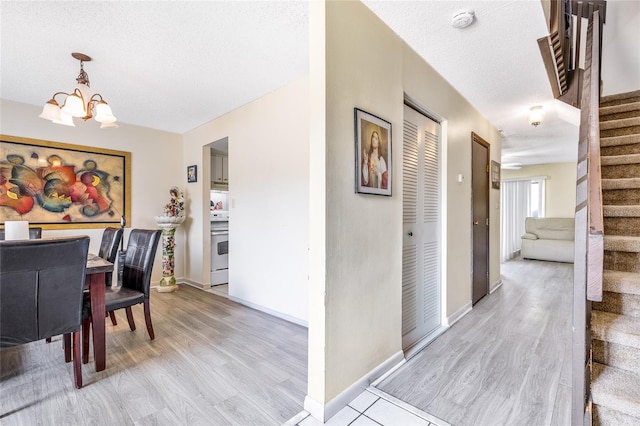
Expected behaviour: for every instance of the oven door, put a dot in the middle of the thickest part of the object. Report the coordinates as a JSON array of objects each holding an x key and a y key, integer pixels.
[{"x": 219, "y": 250}]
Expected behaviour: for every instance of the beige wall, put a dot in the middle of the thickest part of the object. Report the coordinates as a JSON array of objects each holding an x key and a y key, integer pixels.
[
  {"x": 155, "y": 167},
  {"x": 268, "y": 196},
  {"x": 369, "y": 67},
  {"x": 560, "y": 186}
]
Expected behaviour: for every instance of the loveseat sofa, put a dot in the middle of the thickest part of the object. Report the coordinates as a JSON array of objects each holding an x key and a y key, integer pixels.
[{"x": 549, "y": 238}]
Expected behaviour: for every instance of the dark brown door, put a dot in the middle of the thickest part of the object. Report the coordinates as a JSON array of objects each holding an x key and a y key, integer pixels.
[{"x": 480, "y": 199}]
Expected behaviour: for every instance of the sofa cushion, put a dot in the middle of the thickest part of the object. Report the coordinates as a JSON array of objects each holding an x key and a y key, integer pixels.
[{"x": 551, "y": 228}]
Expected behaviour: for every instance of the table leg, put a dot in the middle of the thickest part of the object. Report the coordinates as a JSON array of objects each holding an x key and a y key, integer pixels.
[{"x": 96, "y": 291}]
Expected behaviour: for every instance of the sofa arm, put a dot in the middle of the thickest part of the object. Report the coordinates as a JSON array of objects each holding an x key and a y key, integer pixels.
[{"x": 529, "y": 236}]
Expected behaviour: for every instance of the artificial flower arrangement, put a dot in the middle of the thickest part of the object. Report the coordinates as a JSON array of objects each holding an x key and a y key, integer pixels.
[{"x": 175, "y": 207}]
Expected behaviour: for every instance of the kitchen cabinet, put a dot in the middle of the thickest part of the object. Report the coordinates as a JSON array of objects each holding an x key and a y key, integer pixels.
[{"x": 220, "y": 169}]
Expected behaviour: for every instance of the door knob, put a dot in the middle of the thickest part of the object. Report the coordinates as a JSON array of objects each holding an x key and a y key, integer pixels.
[
  {"x": 475, "y": 222},
  {"x": 410, "y": 234}
]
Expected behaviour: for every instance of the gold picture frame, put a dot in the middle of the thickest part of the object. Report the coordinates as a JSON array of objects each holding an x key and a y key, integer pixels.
[
  {"x": 56, "y": 185},
  {"x": 373, "y": 154}
]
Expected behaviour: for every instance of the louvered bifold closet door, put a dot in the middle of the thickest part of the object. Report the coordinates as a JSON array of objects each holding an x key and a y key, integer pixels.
[{"x": 421, "y": 286}]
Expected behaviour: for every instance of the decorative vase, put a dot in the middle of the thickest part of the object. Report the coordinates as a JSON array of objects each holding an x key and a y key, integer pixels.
[{"x": 168, "y": 224}]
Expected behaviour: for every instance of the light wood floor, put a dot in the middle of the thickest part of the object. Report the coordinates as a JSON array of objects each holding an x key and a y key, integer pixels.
[
  {"x": 508, "y": 362},
  {"x": 213, "y": 362}
]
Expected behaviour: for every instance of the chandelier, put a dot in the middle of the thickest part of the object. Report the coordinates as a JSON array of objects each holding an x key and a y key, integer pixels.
[{"x": 80, "y": 103}]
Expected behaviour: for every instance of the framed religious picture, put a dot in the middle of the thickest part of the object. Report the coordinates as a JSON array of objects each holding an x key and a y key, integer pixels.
[
  {"x": 192, "y": 173},
  {"x": 373, "y": 154},
  {"x": 495, "y": 175}
]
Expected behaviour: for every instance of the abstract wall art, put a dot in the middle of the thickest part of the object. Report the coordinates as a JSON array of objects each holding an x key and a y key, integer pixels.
[{"x": 56, "y": 185}]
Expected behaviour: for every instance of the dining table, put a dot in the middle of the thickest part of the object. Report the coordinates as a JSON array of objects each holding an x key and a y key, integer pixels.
[{"x": 96, "y": 270}]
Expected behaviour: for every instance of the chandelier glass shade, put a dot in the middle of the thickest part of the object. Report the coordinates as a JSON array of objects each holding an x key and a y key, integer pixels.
[{"x": 80, "y": 103}]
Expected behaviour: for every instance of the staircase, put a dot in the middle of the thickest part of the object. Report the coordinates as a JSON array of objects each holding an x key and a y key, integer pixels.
[{"x": 615, "y": 321}]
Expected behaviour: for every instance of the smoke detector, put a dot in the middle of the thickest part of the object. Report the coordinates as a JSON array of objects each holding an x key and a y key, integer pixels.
[{"x": 462, "y": 19}]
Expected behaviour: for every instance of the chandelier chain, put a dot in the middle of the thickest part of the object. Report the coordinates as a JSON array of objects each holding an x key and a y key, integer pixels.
[{"x": 83, "y": 77}]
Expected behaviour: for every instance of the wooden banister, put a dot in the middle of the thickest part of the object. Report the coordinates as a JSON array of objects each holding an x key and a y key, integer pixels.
[
  {"x": 589, "y": 224},
  {"x": 561, "y": 51},
  {"x": 590, "y": 136}
]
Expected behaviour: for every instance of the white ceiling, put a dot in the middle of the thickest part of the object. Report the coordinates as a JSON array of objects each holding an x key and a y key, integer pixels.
[{"x": 174, "y": 65}]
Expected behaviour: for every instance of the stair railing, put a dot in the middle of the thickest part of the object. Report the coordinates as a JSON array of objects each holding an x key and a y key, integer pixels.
[
  {"x": 589, "y": 225},
  {"x": 561, "y": 50}
]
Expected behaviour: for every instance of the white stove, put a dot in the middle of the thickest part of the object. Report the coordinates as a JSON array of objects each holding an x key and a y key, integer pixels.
[
  {"x": 219, "y": 215},
  {"x": 219, "y": 247}
]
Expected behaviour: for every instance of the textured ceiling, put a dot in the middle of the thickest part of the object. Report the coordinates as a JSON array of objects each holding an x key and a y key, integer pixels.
[
  {"x": 168, "y": 65},
  {"x": 174, "y": 65},
  {"x": 496, "y": 65}
]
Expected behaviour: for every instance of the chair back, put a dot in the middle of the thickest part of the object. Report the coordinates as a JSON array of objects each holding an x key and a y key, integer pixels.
[
  {"x": 34, "y": 233},
  {"x": 41, "y": 286},
  {"x": 109, "y": 248},
  {"x": 138, "y": 261}
]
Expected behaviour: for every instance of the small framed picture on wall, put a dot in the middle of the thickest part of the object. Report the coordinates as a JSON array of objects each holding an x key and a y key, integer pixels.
[
  {"x": 495, "y": 175},
  {"x": 192, "y": 173},
  {"x": 373, "y": 154}
]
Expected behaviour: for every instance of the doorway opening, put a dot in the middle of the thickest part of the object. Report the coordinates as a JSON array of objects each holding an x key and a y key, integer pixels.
[{"x": 218, "y": 162}]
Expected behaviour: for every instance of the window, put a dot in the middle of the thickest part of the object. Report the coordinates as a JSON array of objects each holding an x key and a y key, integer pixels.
[
  {"x": 520, "y": 198},
  {"x": 536, "y": 204}
]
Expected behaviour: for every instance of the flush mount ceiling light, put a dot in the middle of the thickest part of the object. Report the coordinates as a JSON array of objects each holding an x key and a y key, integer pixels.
[
  {"x": 536, "y": 115},
  {"x": 462, "y": 18},
  {"x": 80, "y": 103}
]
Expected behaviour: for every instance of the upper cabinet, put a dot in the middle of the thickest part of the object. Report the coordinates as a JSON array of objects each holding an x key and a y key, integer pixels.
[{"x": 219, "y": 170}]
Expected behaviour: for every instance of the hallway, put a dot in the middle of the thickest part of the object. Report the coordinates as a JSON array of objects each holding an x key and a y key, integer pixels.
[{"x": 507, "y": 362}]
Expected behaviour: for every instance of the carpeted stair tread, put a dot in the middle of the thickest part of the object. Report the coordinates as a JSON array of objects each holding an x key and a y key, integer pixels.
[
  {"x": 621, "y": 211},
  {"x": 615, "y": 160},
  {"x": 620, "y": 140},
  {"x": 616, "y": 389},
  {"x": 622, "y": 243},
  {"x": 616, "y": 109},
  {"x": 621, "y": 123},
  {"x": 619, "y": 303},
  {"x": 619, "y": 356},
  {"x": 619, "y": 97},
  {"x": 615, "y": 321},
  {"x": 604, "y": 416},
  {"x": 628, "y": 183},
  {"x": 619, "y": 329},
  {"x": 621, "y": 282}
]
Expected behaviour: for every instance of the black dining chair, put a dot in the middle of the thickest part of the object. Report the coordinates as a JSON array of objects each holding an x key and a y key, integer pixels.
[
  {"x": 41, "y": 292},
  {"x": 108, "y": 250},
  {"x": 34, "y": 233},
  {"x": 136, "y": 282}
]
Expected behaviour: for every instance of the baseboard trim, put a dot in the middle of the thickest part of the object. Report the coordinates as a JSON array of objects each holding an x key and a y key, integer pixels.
[
  {"x": 496, "y": 286},
  {"x": 413, "y": 350},
  {"x": 242, "y": 302},
  {"x": 194, "y": 284},
  {"x": 452, "y": 319},
  {"x": 325, "y": 412},
  {"x": 270, "y": 311}
]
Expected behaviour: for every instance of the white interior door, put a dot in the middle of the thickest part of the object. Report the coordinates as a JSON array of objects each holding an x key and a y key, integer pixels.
[{"x": 421, "y": 286}]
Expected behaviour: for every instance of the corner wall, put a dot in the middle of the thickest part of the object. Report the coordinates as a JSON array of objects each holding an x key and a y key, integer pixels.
[
  {"x": 369, "y": 67},
  {"x": 155, "y": 167},
  {"x": 268, "y": 197}
]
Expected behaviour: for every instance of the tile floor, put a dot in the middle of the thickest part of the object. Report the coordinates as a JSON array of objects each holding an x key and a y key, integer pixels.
[{"x": 373, "y": 407}]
